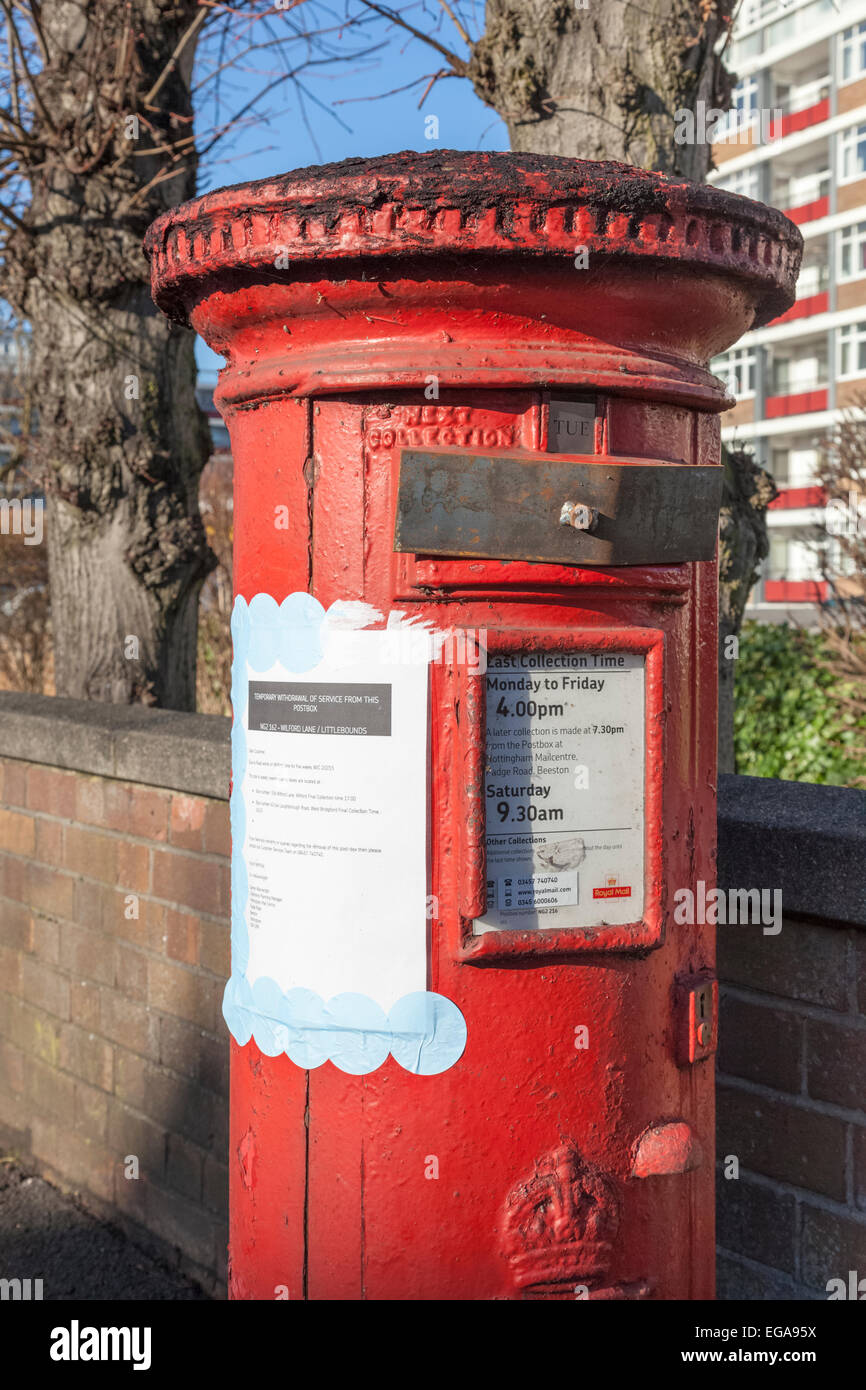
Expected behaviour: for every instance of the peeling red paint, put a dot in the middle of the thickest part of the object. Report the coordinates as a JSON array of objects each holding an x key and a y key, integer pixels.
[{"x": 247, "y": 1159}]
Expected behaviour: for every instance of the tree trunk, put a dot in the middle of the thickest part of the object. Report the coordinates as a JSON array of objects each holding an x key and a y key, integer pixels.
[
  {"x": 604, "y": 81},
  {"x": 121, "y": 440},
  {"x": 744, "y": 542},
  {"x": 612, "y": 81}
]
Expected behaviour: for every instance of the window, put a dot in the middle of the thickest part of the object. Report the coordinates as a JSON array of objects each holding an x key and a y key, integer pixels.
[
  {"x": 800, "y": 20},
  {"x": 742, "y": 111},
  {"x": 749, "y": 47},
  {"x": 737, "y": 370},
  {"x": 779, "y": 467},
  {"x": 744, "y": 104},
  {"x": 839, "y": 560},
  {"x": 812, "y": 279},
  {"x": 852, "y": 163},
  {"x": 803, "y": 563},
  {"x": 778, "y": 566},
  {"x": 798, "y": 188},
  {"x": 852, "y": 251},
  {"x": 795, "y": 467},
  {"x": 802, "y": 466},
  {"x": 745, "y": 181},
  {"x": 794, "y": 375},
  {"x": 853, "y": 51},
  {"x": 852, "y": 350}
]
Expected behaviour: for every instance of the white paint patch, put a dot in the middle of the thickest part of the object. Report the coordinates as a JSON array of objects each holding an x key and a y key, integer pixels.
[{"x": 350, "y": 614}]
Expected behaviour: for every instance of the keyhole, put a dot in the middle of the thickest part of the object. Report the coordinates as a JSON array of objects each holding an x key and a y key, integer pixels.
[{"x": 703, "y": 1028}]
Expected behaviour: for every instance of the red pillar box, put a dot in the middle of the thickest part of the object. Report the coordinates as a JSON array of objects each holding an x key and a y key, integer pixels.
[{"x": 477, "y": 480}]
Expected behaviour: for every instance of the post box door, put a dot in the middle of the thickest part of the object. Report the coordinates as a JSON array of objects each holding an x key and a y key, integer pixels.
[{"x": 524, "y": 991}]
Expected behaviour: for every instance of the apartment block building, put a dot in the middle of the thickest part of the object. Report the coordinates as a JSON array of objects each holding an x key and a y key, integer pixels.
[{"x": 796, "y": 138}]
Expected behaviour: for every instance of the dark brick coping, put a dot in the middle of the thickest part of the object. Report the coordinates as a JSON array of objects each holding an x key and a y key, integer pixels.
[
  {"x": 808, "y": 840},
  {"x": 157, "y": 747}
]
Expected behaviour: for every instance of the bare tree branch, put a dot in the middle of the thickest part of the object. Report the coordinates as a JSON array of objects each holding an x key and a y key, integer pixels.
[
  {"x": 459, "y": 65},
  {"x": 186, "y": 38}
]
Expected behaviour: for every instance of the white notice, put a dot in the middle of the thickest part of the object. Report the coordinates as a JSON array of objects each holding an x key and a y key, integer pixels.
[
  {"x": 564, "y": 789},
  {"x": 335, "y": 792}
]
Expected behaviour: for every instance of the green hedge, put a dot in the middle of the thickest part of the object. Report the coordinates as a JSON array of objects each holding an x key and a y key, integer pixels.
[{"x": 788, "y": 722}]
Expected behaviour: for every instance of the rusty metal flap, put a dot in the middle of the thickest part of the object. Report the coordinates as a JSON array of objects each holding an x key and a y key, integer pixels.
[{"x": 527, "y": 506}]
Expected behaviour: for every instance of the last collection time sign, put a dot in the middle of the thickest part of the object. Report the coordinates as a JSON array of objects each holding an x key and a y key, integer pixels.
[{"x": 564, "y": 789}]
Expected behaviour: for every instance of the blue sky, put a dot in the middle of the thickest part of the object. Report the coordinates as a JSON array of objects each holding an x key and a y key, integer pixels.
[{"x": 279, "y": 139}]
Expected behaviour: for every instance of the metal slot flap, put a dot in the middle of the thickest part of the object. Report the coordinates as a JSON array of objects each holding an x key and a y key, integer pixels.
[{"x": 546, "y": 507}]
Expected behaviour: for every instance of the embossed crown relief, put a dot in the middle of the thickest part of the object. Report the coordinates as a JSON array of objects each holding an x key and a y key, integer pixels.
[{"x": 560, "y": 1225}]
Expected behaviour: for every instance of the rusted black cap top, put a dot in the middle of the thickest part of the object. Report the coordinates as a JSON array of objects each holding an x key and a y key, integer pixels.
[{"x": 457, "y": 202}]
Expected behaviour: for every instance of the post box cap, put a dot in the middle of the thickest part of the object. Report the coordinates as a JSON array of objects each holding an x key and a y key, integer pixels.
[{"x": 464, "y": 203}]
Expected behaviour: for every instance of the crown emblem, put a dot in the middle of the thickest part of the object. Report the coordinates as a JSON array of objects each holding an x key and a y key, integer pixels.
[{"x": 560, "y": 1225}]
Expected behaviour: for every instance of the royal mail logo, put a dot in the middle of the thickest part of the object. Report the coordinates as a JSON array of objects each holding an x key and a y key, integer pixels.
[{"x": 612, "y": 888}]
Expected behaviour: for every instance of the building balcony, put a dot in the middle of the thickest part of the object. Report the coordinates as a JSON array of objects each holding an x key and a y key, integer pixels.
[
  {"x": 800, "y": 190},
  {"x": 795, "y": 21},
  {"x": 793, "y": 498},
  {"x": 807, "y": 106},
  {"x": 807, "y": 306},
  {"x": 795, "y": 403},
  {"x": 807, "y": 212},
  {"x": 796, "y": 590},
  {"x": 757, "y": 11},
  {"x": 814, "y": 272}
]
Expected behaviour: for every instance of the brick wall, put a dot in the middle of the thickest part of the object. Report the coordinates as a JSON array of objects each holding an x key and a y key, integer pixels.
[
  {"x": 114, "y": 946},
  {"x": 792, "y": 1061},
  {"x": 114, "y": 951}
]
